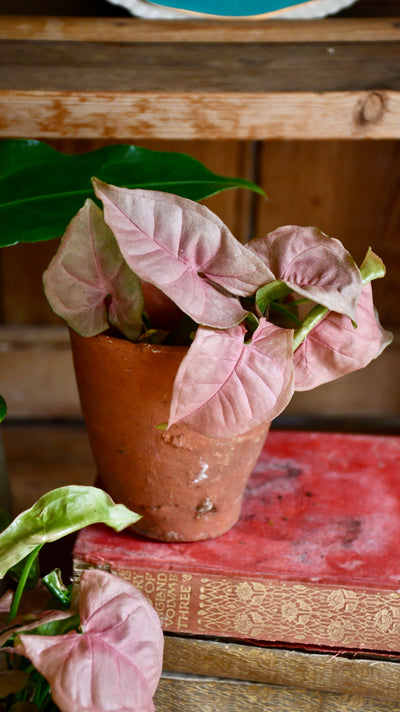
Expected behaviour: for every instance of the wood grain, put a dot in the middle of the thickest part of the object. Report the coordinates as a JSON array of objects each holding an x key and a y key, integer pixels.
[
  {"x": 328, "y": 672},
  {"x": 41, "y": 456},
  {"x": 349, "y": 189},
  {"x": 36, "y": 373},
  {"x": 105, "y": 29},
  {"x": 202, "y": 67},
  {"x": 195, "y": 694},
  {"x": 193, "y": 115}
]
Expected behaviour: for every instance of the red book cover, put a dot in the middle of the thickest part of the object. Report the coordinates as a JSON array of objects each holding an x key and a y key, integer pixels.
[{"x": 314, "y": 559}]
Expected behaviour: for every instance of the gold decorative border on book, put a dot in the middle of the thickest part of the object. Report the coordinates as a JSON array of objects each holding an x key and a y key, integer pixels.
[
  {"x": 328, "y": 615},
  {"x": 309, "y": 613}
]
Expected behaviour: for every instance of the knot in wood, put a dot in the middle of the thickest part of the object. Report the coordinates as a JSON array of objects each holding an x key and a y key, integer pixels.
[{"x": 371, "y": 108}]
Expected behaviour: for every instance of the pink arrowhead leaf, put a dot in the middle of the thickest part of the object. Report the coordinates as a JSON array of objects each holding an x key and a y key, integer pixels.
[
  {"x": 87, "y": 269},
  {"x": 115, "y": 664},
  {"x": 312, "y": 264},
  {"x": 225, "y": 386},
  {"x": 184, "y": 249},
  {"x": 335, "y": 348}
]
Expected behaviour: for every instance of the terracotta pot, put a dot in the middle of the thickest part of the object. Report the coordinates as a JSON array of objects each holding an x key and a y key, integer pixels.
[{"x": 187, "y": 486}]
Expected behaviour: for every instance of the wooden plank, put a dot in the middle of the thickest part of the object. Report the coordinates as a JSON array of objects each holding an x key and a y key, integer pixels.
[
  {"x": 41, "y": 457},
  {"x": 107, "y": 29},
  {"x": 199, "y": 67},
  {"x": 5, "y": 497},
  {"x": 325, "y": 672},
  {"x": 346, "y": 188},
  {"x": 21, "y": 289},
  {"x": 194, "y": 115},
  {"x": 37, "y": 380},
  {"x": 178, "y": 693},
  {"x": 36, "y": 372}
]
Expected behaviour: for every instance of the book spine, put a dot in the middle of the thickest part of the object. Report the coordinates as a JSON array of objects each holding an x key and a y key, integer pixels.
[{"x": 284, "y": 611}]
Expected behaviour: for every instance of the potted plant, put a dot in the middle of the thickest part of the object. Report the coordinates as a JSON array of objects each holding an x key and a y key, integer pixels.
[
  {"x": 209, "y": 339},
  {"x": 57, "y": 644},
  {"x": 222, "y": 372}
]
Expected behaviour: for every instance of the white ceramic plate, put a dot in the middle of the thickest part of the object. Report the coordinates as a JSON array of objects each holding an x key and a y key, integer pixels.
[{"x": 233, "y": 9}]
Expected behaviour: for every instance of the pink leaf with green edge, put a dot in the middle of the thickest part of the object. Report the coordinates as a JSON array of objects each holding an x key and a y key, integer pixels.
[
  {"x": 28, "y": 622},
  {"x": 88, "y": 271},
  {"x": 185, "y": 250},
  {"x": 115, "y": 664},
  {"x": 334, "y": 347},
  {"x": 225, "y": 386},
  {"x": 312, "y": 264}
]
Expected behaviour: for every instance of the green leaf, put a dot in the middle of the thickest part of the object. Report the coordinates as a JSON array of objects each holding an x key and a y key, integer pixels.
[
  {"x": 41, "y": 189},
  {"x": 372, "y": 267},
  {"x": 3, "y": 408},
  {"x": 16, "y": 571},
  {"x": 56, "y": 514},
  {"x": 57, "y": 627},
  {"x": 55, "y": 585}
]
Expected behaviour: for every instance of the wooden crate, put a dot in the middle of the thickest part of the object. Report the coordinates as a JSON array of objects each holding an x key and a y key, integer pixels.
[{"x": 312, "y": 111}]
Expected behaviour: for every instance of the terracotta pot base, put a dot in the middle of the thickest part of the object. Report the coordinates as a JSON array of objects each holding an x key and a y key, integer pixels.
[{"x": 185, "y": 485}]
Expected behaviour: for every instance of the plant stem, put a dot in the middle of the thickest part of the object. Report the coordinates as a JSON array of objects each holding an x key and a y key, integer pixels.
[
  {"x": 310, "y": 322},
  {"x": 22, "y": 582},
  {"x": 271, "y": 292}
]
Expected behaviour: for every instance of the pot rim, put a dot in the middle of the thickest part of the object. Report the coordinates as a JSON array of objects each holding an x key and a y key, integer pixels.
[{"x": 139, "y": 346}]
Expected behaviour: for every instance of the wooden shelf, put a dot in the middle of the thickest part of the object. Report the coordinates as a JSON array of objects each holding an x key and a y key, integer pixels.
[{"x": 123, "y": 78}]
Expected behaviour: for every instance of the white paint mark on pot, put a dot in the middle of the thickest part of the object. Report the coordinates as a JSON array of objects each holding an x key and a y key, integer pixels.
[{"x": 203, "y": 472}]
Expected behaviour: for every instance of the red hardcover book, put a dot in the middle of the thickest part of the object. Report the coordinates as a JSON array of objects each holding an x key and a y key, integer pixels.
[{"x": 314, "y": 559}]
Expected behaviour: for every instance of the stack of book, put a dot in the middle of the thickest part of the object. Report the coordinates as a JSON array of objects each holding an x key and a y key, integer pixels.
[{"x": 314, "y": 559}]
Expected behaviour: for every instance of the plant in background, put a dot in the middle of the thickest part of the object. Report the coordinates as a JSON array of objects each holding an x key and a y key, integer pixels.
[
  {"x": 98, "y": 649},
  {"x": 285, "y": 312}
]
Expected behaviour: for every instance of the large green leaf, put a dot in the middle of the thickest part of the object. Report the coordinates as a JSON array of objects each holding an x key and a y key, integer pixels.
[
  {"x": 41, "y": 189},
  {"x": 56, "y": 514},
  {"x": 16, "y": 571},
  {"x": 3, "y": 408}
]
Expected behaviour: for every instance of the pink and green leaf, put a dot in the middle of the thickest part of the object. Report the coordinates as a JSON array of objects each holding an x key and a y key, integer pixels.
[
  {"x": 334, "y": 347},
  {"x": 115, "y": 663},
  {"x": 312, "y": 264},
  {"x": 226, "y": 386},
  {"x": 89, "y": 284},
  {"x": 57, "y": 513},
  {"x": 185, "y": 250}
]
